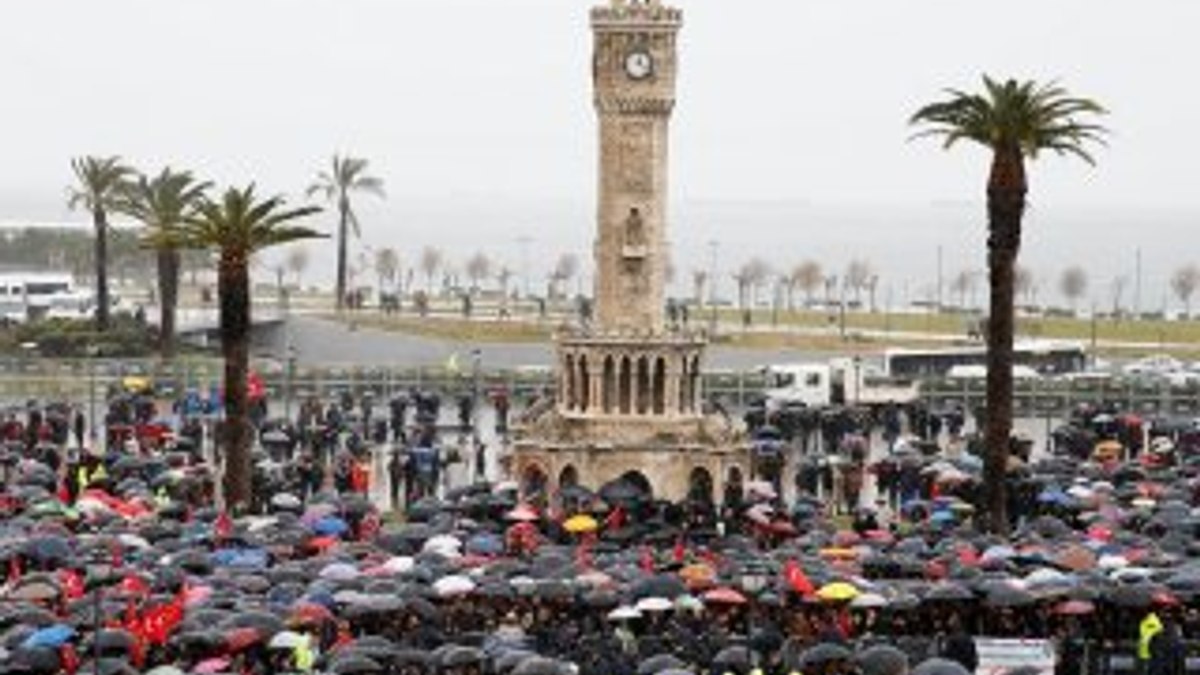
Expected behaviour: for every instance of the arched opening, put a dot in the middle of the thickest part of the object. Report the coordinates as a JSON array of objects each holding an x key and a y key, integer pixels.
[
  {"x": 608, "y": 391},
  {"x": 568, "y": 477},
  {"x": 569, "y": 371},
  {"x": 660, "y": 386},
  {"x": 639, "y": 481},
  {"x": 585, "y": 385},
  {"x": 626, "y": 394},
  {"x": 734, "y": 487},
  {"x": 700, "y": 486},
  {"x": 643, "y": 386},
  {"x": 533, "y": 482},
  {"x": 685, "y": 386}
]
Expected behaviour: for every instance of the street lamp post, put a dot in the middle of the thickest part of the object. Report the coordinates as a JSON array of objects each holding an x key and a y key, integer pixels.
[
  {"x": 289, "y": 381},
  {"x": 91, "y": 354},
  {"x": 713, "y": 247}
]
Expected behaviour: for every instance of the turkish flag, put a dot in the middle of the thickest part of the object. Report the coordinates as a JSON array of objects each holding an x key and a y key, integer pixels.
[{"x": 797, "y": 579}]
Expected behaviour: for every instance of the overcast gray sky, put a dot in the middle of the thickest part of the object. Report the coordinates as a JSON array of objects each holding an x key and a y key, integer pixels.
[{"x": 477, "y": 113}]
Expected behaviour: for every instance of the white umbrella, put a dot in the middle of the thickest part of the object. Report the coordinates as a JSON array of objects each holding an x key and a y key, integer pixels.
[
  {"x": 339, "y": 572},
  {"x": 453, "y": 585},
  {"x": 287, "y": 640},
  {"x": 869, "y": 601},
  {"x": 624, "y": 614},
  {"x": 399, "y": 564},
  {"x": 760, "y": 513},
  {"x": 133, "y": 541},
  {"x": 653, "y": 605},
  {"x": 761, "y": 488},
  {"x": 442, "y": 543}
]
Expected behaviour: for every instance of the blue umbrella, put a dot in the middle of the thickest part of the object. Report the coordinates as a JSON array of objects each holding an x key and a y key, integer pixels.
[
  {"x": 52, "y": 636},
  {"x": 942, "y": 517},
  {"x": 485, "y": 544},
  {"x": 330, "y": 525},
  {"x": 244, "y": 558}
]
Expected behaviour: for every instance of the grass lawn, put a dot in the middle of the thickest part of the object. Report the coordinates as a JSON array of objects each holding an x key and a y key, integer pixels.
[{"x": 1178, "y": 338}]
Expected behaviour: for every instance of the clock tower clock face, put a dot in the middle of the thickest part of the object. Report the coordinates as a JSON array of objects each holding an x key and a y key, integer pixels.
[{"x": 639, "y": 65}]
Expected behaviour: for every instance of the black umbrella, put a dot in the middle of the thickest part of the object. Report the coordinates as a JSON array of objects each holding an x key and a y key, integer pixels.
[
  {"x": 265, "y": 623},
  {"x": 351, "y": 664},
  {"x": 113, "y": 642},
  {"x": 733, "y": 658},
  {"x": 940, "y": 667},
  {"x": 660, "y": 586},
  {"x": 35, "y": 660},
  {"x": 948, "y": 592},
  {"x": 457, "y": 657},
  {"x": 1136, "y": 596},
  {"x": 49, "y": 550},
  {"x": 882, "y": 660},
  {"x": 540, "y": 665},
  {"x": 1004, "y": 595},
  {"x": 814, "y": 658},
  {"x": 658, "y": 663},
  {"x": 620, "y": 492}
]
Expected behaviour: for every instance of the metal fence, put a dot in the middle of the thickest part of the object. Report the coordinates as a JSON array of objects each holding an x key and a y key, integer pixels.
[{"x": 76, "y": 379}]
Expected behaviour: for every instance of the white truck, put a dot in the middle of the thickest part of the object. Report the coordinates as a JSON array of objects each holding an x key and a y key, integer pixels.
[{"x": 841, "y": 381}]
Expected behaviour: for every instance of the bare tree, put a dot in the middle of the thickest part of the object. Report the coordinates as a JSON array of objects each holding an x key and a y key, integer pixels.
[
  {"x": 1024, "y": 285},
  {"x": 858, "y": 276},
  {"x": 1117, "y": 286},
  {"x": 297, "y": 262},
  {"x": 564, "y": 270},
  {"x": 831, "y": 283},
  {"x": 387, "y": 267},
  {"x": 699, "y": 285},
  {"x": 479, "y": 267},
  {"x": 750, "y": 278},
  {"x": 431, "y": 262},
  {"x": 1183, "y": 283},
  {"x": 963, "y": 284},
  {"x": 1073, "y": 285},
  {"x": 807, "y": 277}
]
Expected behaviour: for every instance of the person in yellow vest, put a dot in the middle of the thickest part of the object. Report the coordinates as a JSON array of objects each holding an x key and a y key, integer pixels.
[
  {"x": 1150, "y": 626},
  {"x": 305, "y": 655}
]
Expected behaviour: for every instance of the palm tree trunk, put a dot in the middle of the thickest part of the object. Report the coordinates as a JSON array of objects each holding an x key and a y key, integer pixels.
[
  {"x": 1006, "y": 207},
  {"x": 233, "y": 287},
  {"x": 100, "y": 221},
  {"x": 168, "y": 300},
  {"x": 343, "y": 225}
]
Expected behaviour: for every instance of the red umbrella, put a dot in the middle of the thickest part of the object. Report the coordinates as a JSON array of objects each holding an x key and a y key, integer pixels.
[
  {"x": 523, "y": 513},
  {"x": 1075, "y": 608},
  {"x": 783, "y": 528},
  {"x": 309, "y": 614},
  {"x": 846, "y": 539},
  {"x": 724, "y": 596},
  {"x": 255, "y": 389},
  {"x": 239, "y": 639}
]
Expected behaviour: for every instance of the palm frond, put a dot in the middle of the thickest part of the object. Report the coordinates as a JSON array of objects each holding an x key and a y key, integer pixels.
[{"x": 1026, "y": 117}]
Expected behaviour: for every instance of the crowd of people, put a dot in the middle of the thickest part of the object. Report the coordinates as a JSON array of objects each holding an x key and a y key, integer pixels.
[{"x": 117, "y": 558}]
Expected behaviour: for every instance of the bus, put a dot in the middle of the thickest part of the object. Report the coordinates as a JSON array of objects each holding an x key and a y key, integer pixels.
[
  {"x": 1042, "y": 356},
  {"x": 30, "y": 295}
]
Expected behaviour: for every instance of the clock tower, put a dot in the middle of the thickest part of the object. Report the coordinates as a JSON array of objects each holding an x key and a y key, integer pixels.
[
  {"x": 628, "y": 402},
  {"x": 633, "y": 72}
]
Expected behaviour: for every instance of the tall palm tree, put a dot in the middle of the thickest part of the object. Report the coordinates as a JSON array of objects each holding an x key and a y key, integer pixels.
[
  {"x": 346, "y": 176},
  {"x": 237, "y": 226},
  {"x": 1015, "y": 121},
  {"x": 99, "y": 188},
  {"x": 161, "y": 204}
]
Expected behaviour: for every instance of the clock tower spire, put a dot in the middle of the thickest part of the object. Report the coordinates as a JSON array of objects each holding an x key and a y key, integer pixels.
[{"x": 633, "y": 73}]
